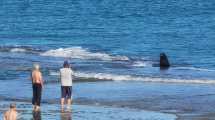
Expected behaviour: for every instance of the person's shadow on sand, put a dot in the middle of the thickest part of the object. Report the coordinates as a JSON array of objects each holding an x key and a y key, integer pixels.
[
  {"x": 66, "y": 115},
  {"x": 36, "y": 115}
]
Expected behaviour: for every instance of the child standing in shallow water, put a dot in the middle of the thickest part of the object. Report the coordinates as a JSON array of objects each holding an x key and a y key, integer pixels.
[
  {"x": 37, "y": 83},
  {"x": 11, "y": 114}
]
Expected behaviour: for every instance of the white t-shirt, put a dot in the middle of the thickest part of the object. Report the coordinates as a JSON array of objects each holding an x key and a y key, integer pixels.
[{"x": 66, "y": 75}]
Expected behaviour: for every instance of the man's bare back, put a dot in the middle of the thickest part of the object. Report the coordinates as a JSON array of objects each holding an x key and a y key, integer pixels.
[
  {"x": 37, "y": 77},
  {"x": 11, "y": 114}
]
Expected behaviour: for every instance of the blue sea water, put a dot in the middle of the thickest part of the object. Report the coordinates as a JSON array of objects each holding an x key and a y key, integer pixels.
[
  {"x": 108, "y": 39},
  {"x": 138, "y": 30}
]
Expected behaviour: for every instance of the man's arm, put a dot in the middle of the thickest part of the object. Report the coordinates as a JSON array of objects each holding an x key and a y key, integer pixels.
[
  {"x": 41, "y": 78},
  {"x": 72, "y": 73},
  {"x": 4, "y": 117},
  {"x": 32, "y": 76},
  {"x": 15, "y": 115},
  {"x": 59, "y": 78}
]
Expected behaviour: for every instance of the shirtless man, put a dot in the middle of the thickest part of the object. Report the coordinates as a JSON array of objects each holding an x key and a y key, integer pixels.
[
  {"x": 37, "y": 82},
  {"x": 11, "y": 114}
]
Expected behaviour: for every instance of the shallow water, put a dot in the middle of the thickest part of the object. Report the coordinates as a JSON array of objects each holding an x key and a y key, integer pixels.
[
  {"x": 84, "y": 112},
  {"x": 183, "y": 100}
]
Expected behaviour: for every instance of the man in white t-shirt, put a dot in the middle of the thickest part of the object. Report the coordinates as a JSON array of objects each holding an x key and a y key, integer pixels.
[{"x": 66, "y": 76}]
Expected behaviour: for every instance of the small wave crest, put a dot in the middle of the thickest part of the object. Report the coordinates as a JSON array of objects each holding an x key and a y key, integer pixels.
[
  {"x": 196, "y": 69},
  {"x": 115, "y": 77},
  {"x": 19, "y": 49},
  {"x": 81, "y": 53},
  {"x": 140, "y": 64}
]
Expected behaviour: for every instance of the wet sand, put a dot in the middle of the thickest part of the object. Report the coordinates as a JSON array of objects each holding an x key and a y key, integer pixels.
[
  {"x": 120, "y": 100},
  {"x": 83, "y": 112},
  {"x": 187, "y": 101}
]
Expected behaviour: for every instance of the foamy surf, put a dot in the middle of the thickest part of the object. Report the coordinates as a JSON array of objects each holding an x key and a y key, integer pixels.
[
  {"x": 116, "y": 77},
  {"x": 140, "y": 64},
  {"x": 18, "y": 50},
  {"x": 81, "y": 53},
  {"x": 196, "y": 69}
]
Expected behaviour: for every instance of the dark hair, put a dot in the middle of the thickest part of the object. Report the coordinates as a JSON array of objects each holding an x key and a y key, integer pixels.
[
  {"x": 12, "y": 105},
  {"x": 66, "y": 64}
]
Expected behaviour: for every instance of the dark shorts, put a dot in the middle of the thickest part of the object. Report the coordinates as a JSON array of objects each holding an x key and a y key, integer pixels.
[
  {"x": 66, "y": 92},
  {"x": 37, "y": 90}
]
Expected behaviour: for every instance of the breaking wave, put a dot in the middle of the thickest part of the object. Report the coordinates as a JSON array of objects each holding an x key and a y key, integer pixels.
[
  {"x": 196, "y": 69},
  {"x": 19, "y": 49},
  {"x": 115, "y": 77},
  {"x": 140, "y": 64},
  {"x": 81, "y": 53}
]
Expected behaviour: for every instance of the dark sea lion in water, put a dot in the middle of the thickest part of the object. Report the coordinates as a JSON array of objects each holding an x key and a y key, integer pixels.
[{"x": 164, "y": 62}]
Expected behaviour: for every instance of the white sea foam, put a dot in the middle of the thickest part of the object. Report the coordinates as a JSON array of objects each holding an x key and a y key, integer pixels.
[
  {"x": 140, "y": 64},
  {"x": 81, "y": 53},
  {"x": 196, "y": 69},
  {"x": 18, "y": 50},
  {"x": 115, "y": 77},
  {"x": 105, "y": 76}
]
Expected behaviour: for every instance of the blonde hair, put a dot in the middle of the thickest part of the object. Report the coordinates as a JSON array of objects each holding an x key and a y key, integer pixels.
[{"x": 36, "y": 66}]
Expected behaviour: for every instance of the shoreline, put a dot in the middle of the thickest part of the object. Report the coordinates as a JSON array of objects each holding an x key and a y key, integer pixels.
[
  {"x": 180, "y": 100},
  {"x": 85, "y": 112}
]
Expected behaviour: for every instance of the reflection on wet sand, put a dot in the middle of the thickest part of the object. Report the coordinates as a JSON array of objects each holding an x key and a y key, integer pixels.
[
  {"x": 66, "y": 115},
  {"x": 36, "y": 115}
]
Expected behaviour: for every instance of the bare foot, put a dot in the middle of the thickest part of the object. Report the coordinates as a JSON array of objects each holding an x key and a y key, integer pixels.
[
  {"x": 68, "y": 108},
  {"x": 37, "y": 109}
]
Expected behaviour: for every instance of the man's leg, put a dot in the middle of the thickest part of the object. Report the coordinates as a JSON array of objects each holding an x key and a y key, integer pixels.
[
  {"x": 62, "y": 103},
  {"x": 39, "y": 93},
  {"x": 34, "y": 98},
  {"x": 69, "y": 100},
  {"x": 62, "y": 97}
]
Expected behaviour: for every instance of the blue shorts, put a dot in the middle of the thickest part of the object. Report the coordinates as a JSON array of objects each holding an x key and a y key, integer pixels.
[{"x": 66, "y": 92}]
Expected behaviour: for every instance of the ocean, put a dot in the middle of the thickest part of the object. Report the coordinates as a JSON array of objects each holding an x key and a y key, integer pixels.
[{"x": 113, "y": 47}]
